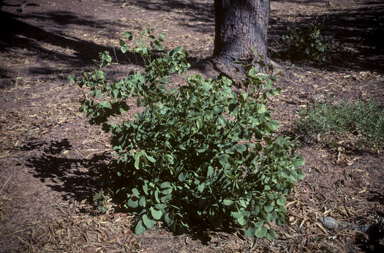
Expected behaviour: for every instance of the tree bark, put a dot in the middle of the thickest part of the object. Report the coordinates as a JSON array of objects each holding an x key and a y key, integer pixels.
[
  {"x": 239, "y": 25},
  {"x": 22, "y": 6}
]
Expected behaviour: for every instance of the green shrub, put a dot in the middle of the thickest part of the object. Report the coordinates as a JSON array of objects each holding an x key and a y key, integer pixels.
[
  {"x": 308, "y": 43},
  {"x": 324, "y": 120},
  {"x": 188, "y": 157}
]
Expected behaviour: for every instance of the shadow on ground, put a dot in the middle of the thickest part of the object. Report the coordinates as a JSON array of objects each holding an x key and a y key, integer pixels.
[
  {"x": 74, "y": 178},
  {"x": 21, "y": 37},
  {"x": 359, "y": 30}
]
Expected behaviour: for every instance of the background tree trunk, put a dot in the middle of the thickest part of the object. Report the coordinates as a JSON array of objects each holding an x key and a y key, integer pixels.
[{"x": 239, "y": 25}]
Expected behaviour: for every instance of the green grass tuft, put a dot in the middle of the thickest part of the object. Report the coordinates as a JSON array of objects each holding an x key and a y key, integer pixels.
[{"x": 324, "y": 121}]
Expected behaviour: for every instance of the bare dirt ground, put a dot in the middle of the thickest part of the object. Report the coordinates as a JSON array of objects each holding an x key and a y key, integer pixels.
[{"x": 50, "y": 157}]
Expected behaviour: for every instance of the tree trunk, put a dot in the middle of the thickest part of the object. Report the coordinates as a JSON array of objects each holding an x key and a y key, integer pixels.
[{"x": 239, "y": 25}]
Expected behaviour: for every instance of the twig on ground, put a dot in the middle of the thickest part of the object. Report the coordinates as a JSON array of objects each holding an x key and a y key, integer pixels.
[{"x": 6, "y": 183}]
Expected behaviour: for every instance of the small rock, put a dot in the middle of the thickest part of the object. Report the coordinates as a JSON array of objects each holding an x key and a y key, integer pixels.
[{"x": 331, "y": 223}]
